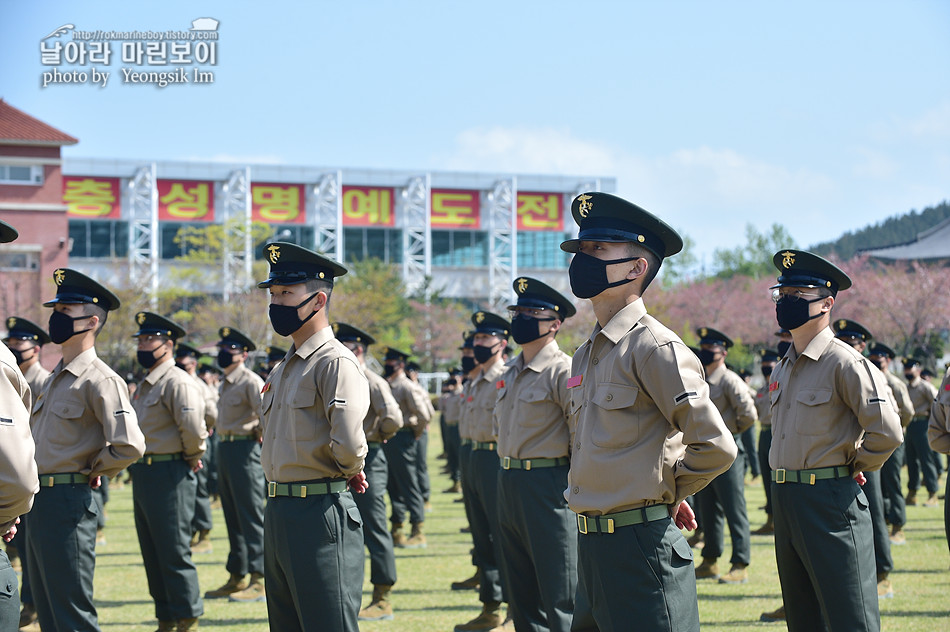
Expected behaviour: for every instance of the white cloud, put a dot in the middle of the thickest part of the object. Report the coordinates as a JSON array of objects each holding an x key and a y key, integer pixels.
[
  {"x": 874, "y": 164},
  {"x": 934, "y": 123}
]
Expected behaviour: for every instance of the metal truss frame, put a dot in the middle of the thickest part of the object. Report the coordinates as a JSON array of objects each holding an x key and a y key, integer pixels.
[
  {"x": 238, "y": 245},
  {"x": 328, "y": 215},
  {"x": 502, "y": 242},
  {"x": 143, "y": 232},
  {"x": 417, "y": 234}
]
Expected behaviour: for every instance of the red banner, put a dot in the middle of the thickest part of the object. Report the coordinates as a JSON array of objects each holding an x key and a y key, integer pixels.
[
  {"x": 453, "y": 208},
  {"x": 185, "y": 200},
  {"x": 91, "y": 197},
  {"x": 540, "y": 211},
  {"x": 369, "y": 206},
  {"x": 277, "y": 203}
]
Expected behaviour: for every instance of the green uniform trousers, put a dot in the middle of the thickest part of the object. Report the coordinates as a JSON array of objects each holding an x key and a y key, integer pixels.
[
  {"x": 482, "y": 493},
  {"x": 539, "y": 547},
  {"x": 163, "y": 498},
  {"x": 452, "y": 450},
  {"x": 19, "y": 541},
  {"x": 372, "y": 506},
  {"x": 62, "y": 557},
  {"x": 9, "y": 596},
  {"x": 920, "y": 457},
  {"x": 422, "y": 467},
  {"x": 765, "y": 444},
  {"x": 313, "y": 563},
  {"x": 723, "y": 500},
  {"x": 402, "y": 455},
  {"x": 465, "y": 464},
  {"x": 241, "y": 486},
  {"x": 640, "y": 577},
  {"x": 202, "y": 521},
  {"x": 824, "y": 546},
  {"x": 882, "y": 541},
  {"x": 895, "y": 508}
]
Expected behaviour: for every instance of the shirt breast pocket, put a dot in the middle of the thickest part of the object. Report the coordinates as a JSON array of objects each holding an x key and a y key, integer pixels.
[
  {"x": 616, "y": 423},
  {"x": 531, "y": 403},
  {"x": 303, "y": 425},
  {"x": 813, "y": 417},
  {"x": 69, "y": 428}
]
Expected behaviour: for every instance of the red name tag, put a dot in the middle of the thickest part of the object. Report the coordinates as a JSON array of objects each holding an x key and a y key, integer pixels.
[
  {"x": 575, "y": 381},
  {"x": 266, "y": 388},
  {"x": 469, "y": 398},
  {"x": 500, "y": 384},
  {"x": 947, "y": 387},
  {"x": 773, "y": 386}
]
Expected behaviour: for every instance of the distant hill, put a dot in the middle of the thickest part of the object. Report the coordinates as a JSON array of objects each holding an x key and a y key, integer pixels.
[{"x": 895, "y": 230}]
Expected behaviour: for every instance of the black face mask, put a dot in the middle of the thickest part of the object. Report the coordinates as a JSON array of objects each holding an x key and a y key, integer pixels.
[
  {"x": 468, "y": 364},
  {"x": 388, "y": 370},
  {"x": 483, "y": 354},
  {"x": 284, "y": 318},
  {"x": 526, "y": 329},
  {"x": 225, "y": 358},
  {"x": 61, "y": 327},
  {"x": 792, "y": 314},
  {"x": 181, "y": 366},
  {"x": 589, "y": 275},
  {"x": 707, "y": 356},
  {"x": 767, "y": 371},
  {"x": 909, "y": 377},
  {"x": 19, "y": 355},
  {"x": 147, "y": 358},
  {"x": 783, "y": 348}
]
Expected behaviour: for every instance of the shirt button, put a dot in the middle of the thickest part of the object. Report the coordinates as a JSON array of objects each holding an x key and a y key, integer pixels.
[
  {"x": 576, "y": 490},
  {"x": 811, "y": 398},
  {"x": 577, "y": 447},
  {"x": 609, "y": 397},
  {"x": 595, "y": 361},
  {"x": 787, "y": 406}
]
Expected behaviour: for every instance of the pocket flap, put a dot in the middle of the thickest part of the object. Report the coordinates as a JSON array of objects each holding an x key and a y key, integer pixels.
[
  {"x": 814, "y": 396},
  {"x": 69, "y": 410},
  {"x": 615, "y": 396},
  {"x": 682, "y": 549},
  {"x": 354, "y": 514},
  {"x": 533, "y": 395},
  {"x": 304, "y": 397}
]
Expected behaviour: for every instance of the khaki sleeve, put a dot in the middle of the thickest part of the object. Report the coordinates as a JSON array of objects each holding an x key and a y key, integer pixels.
[
  {"x": 563, "y": 399},
  {"x": 19, "y": 480},
  {"x": 673, "y": 378},
  {"x": 938, "y": 430},
  {"x": 184, "y": 402},
  {"x": 345, "y": 393},
  {"x": 863, "y": 390},
  {"x": 905, "y": 408},
  {"x": 421, "y": 406},
  {"x": 387, "y": 410},
  {"x": 252, "y": 393},
  {"x": 742, "y": 401},
  {"x": 211, "y": 405},
  {"x": 125, "y": 442}
]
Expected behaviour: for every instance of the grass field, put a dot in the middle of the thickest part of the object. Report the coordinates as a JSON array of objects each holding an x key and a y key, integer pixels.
[{"x": 424, "y": 602}]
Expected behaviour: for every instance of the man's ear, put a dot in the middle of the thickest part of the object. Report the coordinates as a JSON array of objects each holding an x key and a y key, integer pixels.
[
  {"x": 320, "y": 302},
  {"x": 639, "y": 269},
  {"x": 827, "y": 303}
]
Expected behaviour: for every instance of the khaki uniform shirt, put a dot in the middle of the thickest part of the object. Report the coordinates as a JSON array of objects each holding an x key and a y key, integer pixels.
[
  {"x": 465, "y": 410},
  {"x": 239, "y": 402},
  {"x": 451, "y": 406},
  {"x": 922, "y": 394},
  {"x": 732, "y": 398},
  {"x": 901, "y": 397},
  {"x": 37, "y": 377},
  {"x": 384, "y": 418},
  {"x": 18, "y": 475},
  {"x": 763, "y": 406},
  {"x": 484, "y": 395},
  {"x": 83, "y": 421},
  {"x": 210, "y": 396},
  {"x": 313, "y": 409},
  {"x": 171, "y": 412},
  {"x": 830, "y": 408},
  {"x": 647, "y": 432},
  {"x": 938, "y": 431},
  {"x": 414, "y": 403},
  {"x": 532, "y": 417}
]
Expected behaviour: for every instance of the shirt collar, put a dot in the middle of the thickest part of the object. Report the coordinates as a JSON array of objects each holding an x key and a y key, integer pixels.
[
  {"x": 314, "y": 342},
  {"x": 154, "y": 376},
  {"x": 81, "y": 362},
  {"x": 492, "y": 372},
  {"x": 233, "y": 376},
  {"x": 818, "y": 344},
  {"x": 622, "y": 322},
  {"x": 716, "y": 375},
  {"x": 542, "y": 359}
]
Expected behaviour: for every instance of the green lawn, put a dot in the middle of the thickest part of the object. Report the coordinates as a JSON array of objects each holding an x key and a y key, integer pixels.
[{"x": 424, "y": 602}]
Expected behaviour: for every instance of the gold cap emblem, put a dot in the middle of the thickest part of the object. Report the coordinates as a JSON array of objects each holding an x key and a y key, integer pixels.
[
  {"x": 479, "y": 317},
  {"x": 585, "y": 205},
  {"x": 274, "y": 253},
  {"x": 11, "y": 322},
  {"x": 522, "y": 285},
  {"x": 702, "y": 332},
  {"x": 788, "y": 259},
  {"x": 225, "y": 332},
  {"x": 140, "y": 317},
  {"x": 59, "y": 276},
  {"x": 842, "y": 324}
]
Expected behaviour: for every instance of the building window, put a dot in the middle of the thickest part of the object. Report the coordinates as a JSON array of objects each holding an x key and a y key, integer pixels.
[
  {"x": 541, "y": 250},
  {"x": 293, "y": 234},
  {"x": 384, "y": 244},
  {"x": 21, "y": 174},
  {"x": 98, "y": 239},
  {"x": 19, "y": 260},
  {"x": 459, "y": 248}
]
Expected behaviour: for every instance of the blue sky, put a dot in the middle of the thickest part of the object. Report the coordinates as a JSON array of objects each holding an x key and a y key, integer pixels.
[{"x": 822, "y": 116}]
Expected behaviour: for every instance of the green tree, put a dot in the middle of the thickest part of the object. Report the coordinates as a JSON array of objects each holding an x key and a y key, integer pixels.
[{"x": 754, "y": 258}]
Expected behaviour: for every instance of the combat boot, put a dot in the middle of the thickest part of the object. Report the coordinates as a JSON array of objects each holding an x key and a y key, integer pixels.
[
  {"x": 455, "y": 489},
  {"x": 167, "y": 626},
  {"x": 233, "y": 585},
  {"x": 417, "y": 539},
  {"x": 931, "y": 501},
  {"x": 884, "y": 588},
  {"x": 775, "y": 615},
  {"x": 489, "y": 618},
  {"x": 399, "y": 538},
  {"x": 767, "y": 529},
  {"x": 708, "y": 569},
  {"x": 472, "y": 583},
  {"x": 380, "y": 608},
  {"x": 911, "y": 500},
  {"x": 187, "y": 625},
  {"x": 202, "y": 542},
  {"x": 897, "y": 535},
  {"x": 253, "y": 592},
  {"x": 696, "y": 540},
  {"x": 736, "y": 575}
]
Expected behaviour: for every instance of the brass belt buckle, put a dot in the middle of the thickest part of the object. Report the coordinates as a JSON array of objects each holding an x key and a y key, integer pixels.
[
  {"x": 272, "y": 489},
  {"x": 506, "y": 463},
  {"x": 527, "y": 465},
  {"x": 51, "y": 481},
  {"x": 780, "y": 476},
  {"x": 582, "y": 523},
  {"x": 303, "y": 491},
  {"x": 811, "y": 480},
  {"x": 610, "y": 525},
  {"x": 148, "y": 460}
]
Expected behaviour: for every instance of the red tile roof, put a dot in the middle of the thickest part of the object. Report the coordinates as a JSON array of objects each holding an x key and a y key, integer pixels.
[{"x": 19, "y": 128}]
